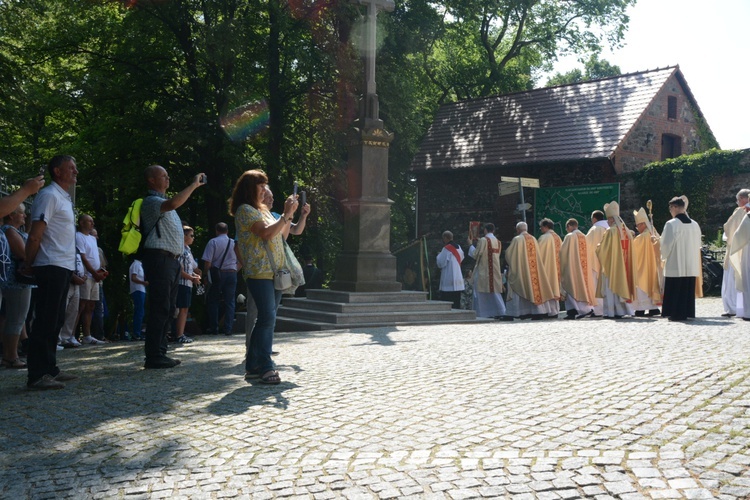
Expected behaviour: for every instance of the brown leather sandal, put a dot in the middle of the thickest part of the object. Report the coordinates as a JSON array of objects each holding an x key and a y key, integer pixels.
[{"x": 271, "y": 378}]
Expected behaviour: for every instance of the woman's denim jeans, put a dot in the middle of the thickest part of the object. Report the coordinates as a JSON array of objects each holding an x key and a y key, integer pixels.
[{"x": 266, "y": 297}]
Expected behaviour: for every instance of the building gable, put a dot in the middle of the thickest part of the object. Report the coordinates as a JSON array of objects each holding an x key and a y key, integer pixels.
[
  {"x": 667, "y": 128},
  {"x": 582, "y": 121}
]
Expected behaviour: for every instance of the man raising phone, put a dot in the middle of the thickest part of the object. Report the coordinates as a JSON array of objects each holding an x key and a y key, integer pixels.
[{"x": 163, "y": 244}]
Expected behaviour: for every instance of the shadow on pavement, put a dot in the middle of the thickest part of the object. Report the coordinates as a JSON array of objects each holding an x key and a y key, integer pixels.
[{"x": 255, "y": 394}]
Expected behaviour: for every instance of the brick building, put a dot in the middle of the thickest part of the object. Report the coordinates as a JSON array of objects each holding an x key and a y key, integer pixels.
[{"x": 577, "y": 134}]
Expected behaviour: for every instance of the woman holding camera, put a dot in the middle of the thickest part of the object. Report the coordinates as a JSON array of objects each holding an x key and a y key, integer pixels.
[{"x": 260, "y": 248}]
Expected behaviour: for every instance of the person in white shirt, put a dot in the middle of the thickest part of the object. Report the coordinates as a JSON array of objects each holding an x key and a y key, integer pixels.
[
  {"x": 189, "y": 276},
  {"x": 78, "y": 278},
  {"x": 138, "y": 286},
  {"x": 51, "y": 257},
  {"x": 89, "y": 292},
  {"x": 220, "y": 261},
  {"x": 451, "y": 279}
]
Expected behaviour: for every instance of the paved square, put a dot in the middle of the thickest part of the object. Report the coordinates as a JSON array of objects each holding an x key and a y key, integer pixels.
[{"x": 631, "y": 409}]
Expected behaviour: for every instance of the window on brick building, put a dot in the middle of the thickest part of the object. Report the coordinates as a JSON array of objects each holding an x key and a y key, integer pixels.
[
  {"x": 671, "y": 146},
  {"x": 672, "y": 107}
]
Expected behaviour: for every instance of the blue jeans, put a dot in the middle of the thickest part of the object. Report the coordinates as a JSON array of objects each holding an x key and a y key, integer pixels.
[
  {"x": 224, "y": 288},
  {"x": 97, "y": 318},
  {"x": 139, "y": 311},
  {"x": 258, "y": 357},
  {"x": 252, "y": 315}
]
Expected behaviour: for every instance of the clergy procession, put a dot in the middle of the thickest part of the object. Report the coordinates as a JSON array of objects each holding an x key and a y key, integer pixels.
[{"x": 611, "y": 271}]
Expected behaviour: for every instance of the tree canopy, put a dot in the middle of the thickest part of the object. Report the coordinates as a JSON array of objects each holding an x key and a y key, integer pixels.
[
  {"x": 593, "y": 69},
  {"x": 221, "y": 86}
]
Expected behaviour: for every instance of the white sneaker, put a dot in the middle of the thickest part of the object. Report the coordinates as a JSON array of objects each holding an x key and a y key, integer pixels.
[
  {"x": 92, "y": 341},
  {"x": 59, "y": 347},
  {"x": 70, "y": 343}
]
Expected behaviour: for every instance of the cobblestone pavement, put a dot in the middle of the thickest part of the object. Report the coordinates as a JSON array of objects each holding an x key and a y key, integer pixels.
[{"x": 639, "y": 408}]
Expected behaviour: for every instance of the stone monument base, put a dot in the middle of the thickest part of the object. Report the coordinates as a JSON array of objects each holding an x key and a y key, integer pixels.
[{"x": 338, "y": 310}]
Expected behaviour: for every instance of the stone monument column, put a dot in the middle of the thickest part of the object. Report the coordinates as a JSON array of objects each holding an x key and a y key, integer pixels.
[{"x": 365, "y": 263}]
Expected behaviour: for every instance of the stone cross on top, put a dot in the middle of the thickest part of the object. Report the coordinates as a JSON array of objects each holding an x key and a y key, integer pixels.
[{"x": 370, "y": 97}]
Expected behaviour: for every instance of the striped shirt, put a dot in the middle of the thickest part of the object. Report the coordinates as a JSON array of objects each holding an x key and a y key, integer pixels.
[{"x": 168, "y": 235}]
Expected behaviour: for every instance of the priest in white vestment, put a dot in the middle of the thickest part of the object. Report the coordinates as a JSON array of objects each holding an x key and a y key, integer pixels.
[
  {"x": 451, "y": 278},
  {"x": 681, "y": 253},
  {"x": 732, "y": 296}
]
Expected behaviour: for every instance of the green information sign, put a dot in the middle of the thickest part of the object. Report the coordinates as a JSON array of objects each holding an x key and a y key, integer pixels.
[{"x": 563, "y": 203}]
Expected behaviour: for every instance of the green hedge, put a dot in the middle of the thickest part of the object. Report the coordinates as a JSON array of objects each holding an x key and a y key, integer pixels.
[{"x": 693, "y": 175}]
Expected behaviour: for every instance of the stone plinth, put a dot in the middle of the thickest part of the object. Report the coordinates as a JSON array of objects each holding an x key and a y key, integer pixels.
[{"x": 365, "y": 263}]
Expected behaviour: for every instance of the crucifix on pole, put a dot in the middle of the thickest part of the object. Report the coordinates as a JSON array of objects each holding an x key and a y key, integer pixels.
[
  {"x": 365, "y": 263},
  {"x": 369, "y": 52}
]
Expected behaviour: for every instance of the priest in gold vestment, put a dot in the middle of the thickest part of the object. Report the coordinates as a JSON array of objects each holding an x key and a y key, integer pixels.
[
  {"x": 575, "y": 274},
  {"x": 595, "y": 235},
  {"x": 615, "y": 254},
  {"x": 488, "y": 276},
  {"x": 529, "y": 288},
  {"x": 549, "y": 250},
  {"x": 648, "y": 275}
]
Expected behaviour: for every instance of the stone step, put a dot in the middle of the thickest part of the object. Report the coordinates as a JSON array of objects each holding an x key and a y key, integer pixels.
[
  {"x": 289, "y": 323},
  {"x": 372, "y": 316},
  {"x": 364, "y": 307},
  {"x": 332, "y": 309},
  {"x": 351, "y": 297}
]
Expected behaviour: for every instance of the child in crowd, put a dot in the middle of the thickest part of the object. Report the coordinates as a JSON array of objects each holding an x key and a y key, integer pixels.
[{"x": 138, "y": 286}]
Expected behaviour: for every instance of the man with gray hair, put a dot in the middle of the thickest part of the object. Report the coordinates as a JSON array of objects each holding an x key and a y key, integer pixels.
[
  {"x": 51, "y": 253},
  {"x": 529, "y": 288},
  {"x": 732, "y": 282},
  {"x": 87, "y": 247},
  {"x": 451, "y": 279},
  {"x": 163, "y": 243}
]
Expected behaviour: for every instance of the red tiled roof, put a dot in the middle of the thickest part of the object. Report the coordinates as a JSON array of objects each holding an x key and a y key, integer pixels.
[{"x": 569, "y": 122}]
